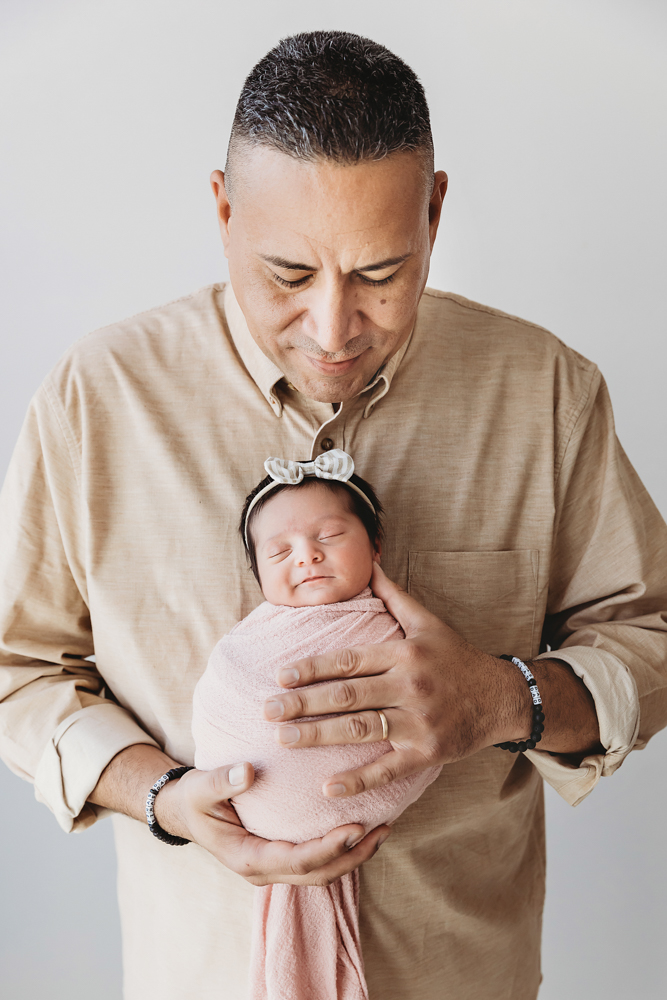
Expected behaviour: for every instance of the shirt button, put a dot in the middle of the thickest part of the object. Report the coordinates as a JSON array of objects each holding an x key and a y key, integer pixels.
[{"x": 326, "y": 444}]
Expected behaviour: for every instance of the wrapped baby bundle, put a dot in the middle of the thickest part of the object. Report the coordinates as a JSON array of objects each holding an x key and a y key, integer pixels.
[{"x": 305, "y": 938}]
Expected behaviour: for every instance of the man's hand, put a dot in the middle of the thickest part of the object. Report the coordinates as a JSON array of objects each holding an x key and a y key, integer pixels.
[
  {"x": 197, "y": 807},
  {"x": 443, "y": 698}
]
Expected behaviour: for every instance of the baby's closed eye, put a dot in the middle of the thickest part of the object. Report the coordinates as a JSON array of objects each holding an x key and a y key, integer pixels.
[{"x": 277, "y": 553}]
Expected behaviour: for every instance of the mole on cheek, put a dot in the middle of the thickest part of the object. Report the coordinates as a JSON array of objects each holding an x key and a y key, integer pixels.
[{"x": 382, "y": 301}]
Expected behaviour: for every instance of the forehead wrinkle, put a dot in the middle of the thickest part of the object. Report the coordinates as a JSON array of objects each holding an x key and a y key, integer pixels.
[
  {"x": 319, "y": 243},
  {"x": 309, "y": 238},
  {"x": 341, "y": 235},
  {"x": 363, "y": 229}
]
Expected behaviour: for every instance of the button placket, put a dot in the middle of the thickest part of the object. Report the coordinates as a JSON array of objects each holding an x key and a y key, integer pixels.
[{"x": 323, "y": 441}]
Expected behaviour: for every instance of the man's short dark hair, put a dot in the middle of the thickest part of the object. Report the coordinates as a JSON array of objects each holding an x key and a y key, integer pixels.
[{"x": 332, "y": 95}]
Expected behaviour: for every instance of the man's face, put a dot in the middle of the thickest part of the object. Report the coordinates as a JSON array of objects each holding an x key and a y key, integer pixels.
[{"x": 328, "y": 262}]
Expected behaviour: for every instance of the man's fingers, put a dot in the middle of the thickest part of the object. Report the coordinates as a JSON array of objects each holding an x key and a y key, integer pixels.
[
  {"x": 352, "y": 859},
  {"x": 328, "y": 699},
  {"x": 358, "y": 727},
  {"x": 356, "y": 662},
  {"x": 409, "y": 613},
  {"x": 316, "y": 862},
  {"x": 316, "y": 854},
  {"x": 391, "y": 766},
  {"x": 282, "y": 860}
]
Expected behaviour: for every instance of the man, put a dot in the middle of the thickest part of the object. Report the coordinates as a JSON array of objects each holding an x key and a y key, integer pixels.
[{"x": 514, "y": 521}]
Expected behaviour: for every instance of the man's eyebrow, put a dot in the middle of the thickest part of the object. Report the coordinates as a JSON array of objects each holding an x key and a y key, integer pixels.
[
  {"x": 389, "y": 262},
  {"x": 290, "y": 265}
]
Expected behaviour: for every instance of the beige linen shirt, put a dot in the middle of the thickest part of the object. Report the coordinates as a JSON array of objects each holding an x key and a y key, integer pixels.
[{"x": 512, "y": 513}]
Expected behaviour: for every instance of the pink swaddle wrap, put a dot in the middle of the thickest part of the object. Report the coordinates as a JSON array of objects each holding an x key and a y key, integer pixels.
[{"x": 306, "y": 942}]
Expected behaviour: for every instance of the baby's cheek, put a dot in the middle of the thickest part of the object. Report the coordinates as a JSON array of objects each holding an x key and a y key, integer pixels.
[
  {"x": 275, "y": 584},
  {"x": 360, "y": 568}
]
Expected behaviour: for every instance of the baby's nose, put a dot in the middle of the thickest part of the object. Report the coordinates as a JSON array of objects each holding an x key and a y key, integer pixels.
[{"x": 308, "y": 555}]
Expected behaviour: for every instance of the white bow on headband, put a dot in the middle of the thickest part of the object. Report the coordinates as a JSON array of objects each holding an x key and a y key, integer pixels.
[{"x": 334, "y": 464}]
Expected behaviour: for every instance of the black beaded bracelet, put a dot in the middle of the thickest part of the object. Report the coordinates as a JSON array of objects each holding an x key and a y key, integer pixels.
[
  {"x": 538, "y": 714},
  {"x": 153, "y": 825}
]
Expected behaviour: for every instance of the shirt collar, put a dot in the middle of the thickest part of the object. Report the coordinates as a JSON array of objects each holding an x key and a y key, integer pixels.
[
  {"x": 262, "y": 370},
  {"x": 266, "y": 375},
  {"x": 381, "y": 381}
]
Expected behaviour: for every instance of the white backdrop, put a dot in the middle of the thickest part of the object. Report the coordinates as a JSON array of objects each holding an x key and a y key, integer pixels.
[{"x": 551, "y": 118}]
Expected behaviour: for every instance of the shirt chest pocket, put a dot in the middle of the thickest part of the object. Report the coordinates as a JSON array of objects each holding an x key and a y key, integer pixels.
[{"x": 489, "y": 598}]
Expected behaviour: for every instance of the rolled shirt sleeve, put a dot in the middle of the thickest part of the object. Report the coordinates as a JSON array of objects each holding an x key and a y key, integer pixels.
[
  {"x": 614, "y": 692},
  {"x": 606, "y": 611},
  {"x": 75, "y": 756},
  {"x": 59, "y": 726}
]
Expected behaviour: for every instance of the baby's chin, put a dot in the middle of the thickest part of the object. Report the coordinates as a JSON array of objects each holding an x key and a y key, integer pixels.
[{"x": 308, "y": 595}]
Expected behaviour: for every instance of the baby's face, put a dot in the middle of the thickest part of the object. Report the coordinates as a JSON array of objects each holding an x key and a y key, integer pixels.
[{"x": 311, "y": 549}]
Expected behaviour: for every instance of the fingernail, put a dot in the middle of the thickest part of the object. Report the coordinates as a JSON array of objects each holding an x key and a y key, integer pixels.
[
  {"x": 336, "y": 789},
  {"x": 236, "y": 774},
  {"x": 289, "y": 675},
  {"x": 382, "y": 839},
  {"x": 289, "y": 734},
  {"x": 273, "y": 709},
  {"x": 353, "y": 840}
]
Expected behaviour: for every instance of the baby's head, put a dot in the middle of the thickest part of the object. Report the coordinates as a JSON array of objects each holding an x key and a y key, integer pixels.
[{"x": 314, "y": 542}]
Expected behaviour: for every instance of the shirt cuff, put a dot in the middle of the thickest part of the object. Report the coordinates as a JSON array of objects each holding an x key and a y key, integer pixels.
[
  {"x": 74, "y": 758},
  {"x": 617, "y": 704}
]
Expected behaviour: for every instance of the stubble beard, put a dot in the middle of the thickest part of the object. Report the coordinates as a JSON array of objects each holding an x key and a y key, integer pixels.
[{"x": 330, "y": 388}]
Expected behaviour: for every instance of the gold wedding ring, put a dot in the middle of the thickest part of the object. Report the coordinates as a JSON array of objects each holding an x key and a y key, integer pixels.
[{"x": 385, "y": 724}]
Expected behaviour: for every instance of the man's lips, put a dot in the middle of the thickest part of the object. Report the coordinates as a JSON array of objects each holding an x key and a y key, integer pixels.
[{"x": 333, "y": 367}]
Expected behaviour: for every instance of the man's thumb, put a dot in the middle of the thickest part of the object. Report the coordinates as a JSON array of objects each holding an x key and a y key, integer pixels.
[
  {"x": 231, "y": 780},
  {"x": 410, "y": 614}
]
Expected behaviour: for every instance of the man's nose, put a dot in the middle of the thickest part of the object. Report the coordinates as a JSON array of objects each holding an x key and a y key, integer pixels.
[{"x": 332, "y": 314}]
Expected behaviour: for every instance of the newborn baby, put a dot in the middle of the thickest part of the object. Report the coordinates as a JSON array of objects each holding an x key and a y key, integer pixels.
[{"x": 312, "y": 532}]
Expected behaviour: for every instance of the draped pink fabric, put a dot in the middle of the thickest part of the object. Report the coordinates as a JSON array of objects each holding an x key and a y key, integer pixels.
[{"x": 305, "y": 938}]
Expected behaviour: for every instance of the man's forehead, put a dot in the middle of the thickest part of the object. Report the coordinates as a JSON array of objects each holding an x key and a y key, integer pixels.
[
  {"x": 295, "y": 210},
  {"x": 350, "y": 200}
]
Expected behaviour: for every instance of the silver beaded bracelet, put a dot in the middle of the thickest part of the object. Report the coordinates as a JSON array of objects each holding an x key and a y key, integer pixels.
[
  {"x": 538, "y": 713},
  {"x": 153, "y": 825}
]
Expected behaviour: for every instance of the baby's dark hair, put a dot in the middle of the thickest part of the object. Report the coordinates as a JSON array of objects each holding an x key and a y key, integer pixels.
[{"x": 371, "y": 519}]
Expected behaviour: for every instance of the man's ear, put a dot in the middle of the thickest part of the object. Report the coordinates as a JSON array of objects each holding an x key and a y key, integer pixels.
[
  {"x": 223, "y": 205},
  {"x": 435, "y": 203}
]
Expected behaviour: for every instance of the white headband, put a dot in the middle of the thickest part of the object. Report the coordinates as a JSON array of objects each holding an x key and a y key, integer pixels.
[{"x": 334, "y": 464}]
